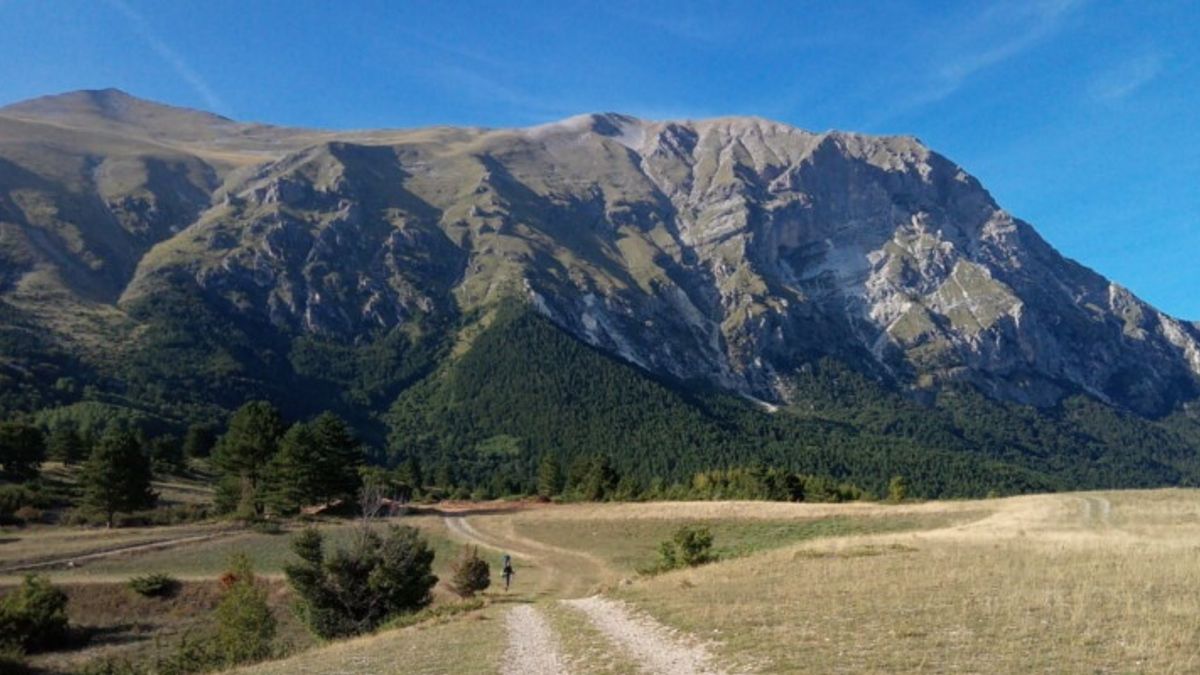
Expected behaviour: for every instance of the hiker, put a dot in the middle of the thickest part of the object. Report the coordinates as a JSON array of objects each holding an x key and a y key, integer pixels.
[{"x": 508, "y": 571}]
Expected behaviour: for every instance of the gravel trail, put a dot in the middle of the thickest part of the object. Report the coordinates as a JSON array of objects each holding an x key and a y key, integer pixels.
[
  {"x": 532, "y": 647},
  {"x": 650, "y": 643}
]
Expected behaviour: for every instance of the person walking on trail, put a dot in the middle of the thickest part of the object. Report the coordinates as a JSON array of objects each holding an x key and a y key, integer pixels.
[{"x": 508, "y": 571}]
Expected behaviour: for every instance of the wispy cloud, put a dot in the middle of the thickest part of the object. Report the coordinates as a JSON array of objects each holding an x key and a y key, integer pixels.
[
  {"x": 1000, "y": 33},
  {"x": 1125, "y": 78},
  {"x": 144, "y": 30},
  {"x": 963, "y": 48}
]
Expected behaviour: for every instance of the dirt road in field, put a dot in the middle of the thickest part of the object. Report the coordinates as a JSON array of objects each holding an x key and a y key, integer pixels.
[
  {"x": 657, "y": 648},
  {"x": 532, "y": 646},
  {"x": 82, "y": 558},
  {"x": 567, "y": 573}
]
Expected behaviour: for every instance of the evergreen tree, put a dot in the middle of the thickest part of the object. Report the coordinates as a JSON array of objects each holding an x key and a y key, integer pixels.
[
  {"x": 245, "y": 626},
  {"x": 296, "y": 473},
  {"x": 246, "y": 449},
  {"x": 601, "y": 480},
  {"x": 354, "y": 589},
  {"x": 22, "y": 450},
  {"x": 116, "y": 477},
  {"x": 166, "y": 453},
  {"x": 199, "y": 440},
  {"x": 340, "y": 456},
  {"x": 66, "y": 444},
  {"x": 549, "y": 476}
]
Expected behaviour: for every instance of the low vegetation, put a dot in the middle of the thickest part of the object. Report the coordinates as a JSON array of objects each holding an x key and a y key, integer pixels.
[
  {"x": 33, "y": 617},
  {"x": 355, "y": 589},
  {"x": 156, "y": 585},
  {"x": 470, "y": 574}
]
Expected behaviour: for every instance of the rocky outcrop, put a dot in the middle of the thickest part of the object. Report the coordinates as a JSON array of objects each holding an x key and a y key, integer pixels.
[{"x": 731, "y": 251}]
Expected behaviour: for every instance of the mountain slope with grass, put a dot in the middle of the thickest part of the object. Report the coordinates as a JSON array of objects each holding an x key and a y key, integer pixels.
[{"x": 478, "y": 298}]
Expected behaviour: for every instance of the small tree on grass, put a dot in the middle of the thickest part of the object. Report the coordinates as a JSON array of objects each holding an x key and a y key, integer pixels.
[
  {"x": 355, "y": 589},
  {"x": 33, "y": 617},
  {"x": 116, "y": 477},
  {"x": 245, "y": 626},
  {"x": 690, "y": 546},
  {"x": 897, "y": 489},
  {"x": 470, "y": 573}
]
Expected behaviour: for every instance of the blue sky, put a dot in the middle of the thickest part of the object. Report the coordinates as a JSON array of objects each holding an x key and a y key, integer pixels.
[{"x": 1080, "y": 117}]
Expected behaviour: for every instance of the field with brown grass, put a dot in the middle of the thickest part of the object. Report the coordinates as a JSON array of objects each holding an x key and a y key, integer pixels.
[{"x": 1082, "y": 582}]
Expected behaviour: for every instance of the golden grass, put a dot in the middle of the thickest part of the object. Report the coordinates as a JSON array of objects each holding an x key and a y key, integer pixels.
[
  {"x": 1051, "y": 583},
  {"x": 471, "y": 643}
]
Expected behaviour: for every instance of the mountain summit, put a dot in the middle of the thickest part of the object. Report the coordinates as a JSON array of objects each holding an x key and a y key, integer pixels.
[{"x": 735, "y": 253}]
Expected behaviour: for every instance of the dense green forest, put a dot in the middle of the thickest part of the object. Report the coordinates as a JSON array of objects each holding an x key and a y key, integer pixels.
[
  {"x": 526, "y": 390},
  {"x": 482, "y": 405}
]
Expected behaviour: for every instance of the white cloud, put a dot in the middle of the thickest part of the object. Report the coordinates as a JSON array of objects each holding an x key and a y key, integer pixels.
[
  {"x": 1125, "y": 78},
  {"x": 142, "y": 27}
]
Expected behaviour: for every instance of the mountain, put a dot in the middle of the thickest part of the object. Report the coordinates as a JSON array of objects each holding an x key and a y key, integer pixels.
[{"x": 178, "y": 263}]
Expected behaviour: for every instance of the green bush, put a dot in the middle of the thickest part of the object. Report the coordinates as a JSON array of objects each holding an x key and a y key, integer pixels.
[
  {"x": 897, "y": 489},
  {"x": 245, "y": 627},
  {"x": 34, "y": 616},
  {"x": 154, "y": 585},
  {"x": 356, "y": 589},
  {"x": 470, "y": 574},
  {"x": 13, "y": 498},
  {"x": 690, "y": 546}
]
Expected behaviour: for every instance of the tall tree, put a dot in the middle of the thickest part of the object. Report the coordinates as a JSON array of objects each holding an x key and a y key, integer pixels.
[
  {"x": 116, "y": 477},
  {"x": 66, "y": 444},
  {"x": 296, "y": 472},
  {"x": 246, "y": 449},
  {"x": 341, "y": 456},
  {"x": 199, "y": 440},
  {"x": 549, "y": 476},
  {"x": 22, "y": 450}
]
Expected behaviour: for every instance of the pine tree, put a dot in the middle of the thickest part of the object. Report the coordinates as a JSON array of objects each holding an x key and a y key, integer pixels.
[
  {"x": 66, "y": 444},
  {"x": 340, "y": 456},
  {"x": 549, "y": 476},
  {"x": 245, "y": 451},
  {"x": 296, "y": 472},
  {"x": 199, "y": 441},
  {"x": 117, "y": 475},
  {"x": 22, "y": 450}
]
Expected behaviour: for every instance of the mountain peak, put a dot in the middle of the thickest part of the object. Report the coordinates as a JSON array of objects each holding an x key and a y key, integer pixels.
[{"x": 115, "y": 110}]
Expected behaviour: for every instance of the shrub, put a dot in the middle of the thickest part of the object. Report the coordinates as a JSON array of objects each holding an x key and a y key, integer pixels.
[
  {"x": 470, "y": 573},
  {"x": 356, "y": 589},
  {"x": 154, "y": 585},
  {"x": 690, "y": 546},
  {"x": 34, "y": 616},
  {"x": 897, "y": 489},
  {"x": 245, "y": 627},
  {"x": 14, "y": 498},
  {"x": 29, "y": 514}
]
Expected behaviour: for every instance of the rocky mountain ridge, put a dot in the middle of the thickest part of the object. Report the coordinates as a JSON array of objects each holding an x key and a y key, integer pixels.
[{"x": 734, "y": 252}]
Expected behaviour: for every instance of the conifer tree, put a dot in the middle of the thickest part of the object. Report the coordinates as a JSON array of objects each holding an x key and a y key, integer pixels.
[
  {"x": 245, "y": 451},
  {"x": 66, "y": 444},
  {"x": 340, "y": 456},
  {"x": 549, "y": 476},
  {"x": 296, "y": 472},
  {"x": 22, "y": 450},
  {"x": 117, "y": 475}
]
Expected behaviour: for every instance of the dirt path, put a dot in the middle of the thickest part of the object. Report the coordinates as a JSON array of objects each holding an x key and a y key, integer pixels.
[
  {"x": 567, "y": 573},
  {"x": 80, "y": 559},
  {"x": 657, "y": 648},
  {"x": 532, "y": 646}
]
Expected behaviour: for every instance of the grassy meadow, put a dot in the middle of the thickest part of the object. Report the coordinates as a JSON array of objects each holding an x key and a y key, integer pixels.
[{"x": 1081, "y": 582}]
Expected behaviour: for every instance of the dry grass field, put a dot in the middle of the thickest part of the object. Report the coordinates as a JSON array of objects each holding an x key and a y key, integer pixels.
[
  {"x": 1082, "y": 582},
  {"x": 1085, "y": 582}
]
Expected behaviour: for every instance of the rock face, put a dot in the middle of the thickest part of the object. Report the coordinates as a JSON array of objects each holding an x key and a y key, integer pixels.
[{"x": 731, "y": 251}]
